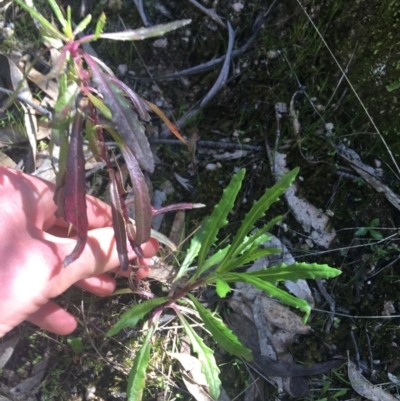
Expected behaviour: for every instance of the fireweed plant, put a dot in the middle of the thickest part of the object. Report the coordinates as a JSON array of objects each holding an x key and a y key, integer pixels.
[
  {"x": 218, "y": 270},
  {"x": 92, "y": 100}
]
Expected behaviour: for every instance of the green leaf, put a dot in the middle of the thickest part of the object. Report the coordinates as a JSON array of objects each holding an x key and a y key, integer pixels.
[
  {"x": 252, "y": 254},
  {"x": 58, "y": 13},
  {"x": 193, "y": 251},
  {"x": 376, "y": 234},
  {"x": 145, "y": 33},
  {"x": 257, "y": 211},
  {"x": 47, "y": 26},
  {"x": 62, "y": 111},
  {"x": 99, "y": 104},
  {"x": 221, "y": 334},
  {"x": 134, "y": 314},
  {"x": 222, "y": 287},
  {"x": 260, "y": 236},
  {"x": 271, "y": 290},
  {"x": 76, "y": 344},
  {"x": 294, "y": 272},
  {"x": 206, "y": 357},
  {"x": 99, "y": 26},
  {"x": 393, "y": 86},
  {"x": 137, "y": 375},
  {"x": 361, "y": 231},
  {"x": 216, "y": 258},
  {"x": 373, "y": 223},
  {"x": 82, "y": 25},
  {"x": 217, "y": 220}
]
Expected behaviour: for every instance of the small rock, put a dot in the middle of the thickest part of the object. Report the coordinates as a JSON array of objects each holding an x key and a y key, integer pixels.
[
  {"x": 161, "y": 43},
  {"x": 237, "y": 7},
  {"x": 122, "y": 69}
]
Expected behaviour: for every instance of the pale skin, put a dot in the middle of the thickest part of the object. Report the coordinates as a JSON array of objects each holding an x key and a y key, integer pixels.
[{"x": 33, "y": 245}]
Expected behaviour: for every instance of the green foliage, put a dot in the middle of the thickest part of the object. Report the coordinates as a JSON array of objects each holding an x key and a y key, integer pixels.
[
  {"x": 370, "y": 229},
  {"x": 217, "y": 270}
]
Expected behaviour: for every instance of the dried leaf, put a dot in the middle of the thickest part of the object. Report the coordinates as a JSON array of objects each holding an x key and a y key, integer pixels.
[{"x": 363, "y": 387}]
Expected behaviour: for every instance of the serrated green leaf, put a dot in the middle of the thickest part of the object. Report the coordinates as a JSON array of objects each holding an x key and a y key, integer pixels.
[
  {"x": 82, "y": 25},
  {"x": 145, "y": 33},
  {"x": 206, "y": 357},
  {"x": 217, "y": 220},
  {"x": 137, "y": 375},
  {"x": 257, "y": 211},
  {"x": 222, "y": 287},
  {"x": 134, "y": 314},
  {"x": 99, "y": 26},
  {"x": 99, "y": 104},
  {"x": 221, "y": 333},
  {"x": 271, "y": 290},
  {"x": 295, "y": 271}
]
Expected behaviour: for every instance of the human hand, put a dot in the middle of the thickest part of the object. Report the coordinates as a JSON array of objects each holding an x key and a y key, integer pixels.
[{"x": 33, "y": 245}]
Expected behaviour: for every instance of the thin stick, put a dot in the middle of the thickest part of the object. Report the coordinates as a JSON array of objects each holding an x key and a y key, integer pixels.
[
  {"x": 21, "y": 98},
  {"x": 210, "y": 12}
]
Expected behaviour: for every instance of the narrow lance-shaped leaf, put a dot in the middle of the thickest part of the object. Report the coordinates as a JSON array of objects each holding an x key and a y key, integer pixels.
[
  {"x": 206, "y": 357},
  {"x": 62, "y": 112},
  {"x": 271, "y": 290},
  {"x": 172, "y": 127},
  {"x": 143, "y": 213},
  {"x": 137, "y": 375},
  {"x": 295, "y": 271},
  {"x": 118, "y": 223},
  {"x": 47, "y": 26},
  {"x": 145, "y": 33},
  {"x": 100, "y": 25},
  {"x": 257, "y": 211},
  {"x": 124, "y": 118},
  {"x": 134, "y": 314},
  {"x": 193, "y": 251},
  {"x": 139, "y": 104},
  {"x": 82, "y": 25},
  {"x": 220, "y": 333},
  {"x": 71, "y": 196},
  {"x": 217, "y": 220}
]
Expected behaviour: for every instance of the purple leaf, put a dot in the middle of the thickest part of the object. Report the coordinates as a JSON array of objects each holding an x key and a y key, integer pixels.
[
  {"x": 118, "y": 222},
  {"x": 125, "y": 120},
  {"x": 70, "y": 195},
  {"x": 141, "y": 106}
]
